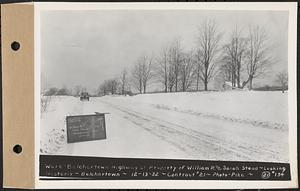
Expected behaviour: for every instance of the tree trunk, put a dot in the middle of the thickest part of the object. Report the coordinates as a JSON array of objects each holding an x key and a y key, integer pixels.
[
  {"x": 176, "y": 81},
  {"x": 205, "y": 84},
  {"x": 238, "y": 81},
  {"x": 198, "y": 76},
  {"x": 249, "y": 80},
  {"x": 250, "y": 83},
  {"x": 232, "y": 80},
  {"x": 206, "y": 77},
  {"x": 197, "y": 83},
  {"x": 166, "y": 85},
  {"x": 238, "y": 76},
  {"x": 183, "y": 82},
  {"x": 166, "y": 79}
]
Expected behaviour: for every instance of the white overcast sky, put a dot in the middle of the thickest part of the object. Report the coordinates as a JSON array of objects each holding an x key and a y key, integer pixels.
[{"x": 87, "y": 47}]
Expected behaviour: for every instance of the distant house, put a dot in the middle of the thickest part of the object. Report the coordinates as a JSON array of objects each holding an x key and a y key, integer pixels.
[{"x": 227, "y": 85}]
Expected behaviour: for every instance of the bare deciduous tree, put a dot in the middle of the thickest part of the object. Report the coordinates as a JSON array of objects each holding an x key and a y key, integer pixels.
[
  {"x": 187, "y": 70},
  {"x": 162, "y": 69},
  {"x": 108, "y": 87},
  {"x": 226, "y": 69},
  {"x": 234, "y": 53},
  {"x": 207, "y": 51},
  {"x": 103, "y": 89},
  {"x": 137, "y": 75},
  {"x": 257, "y": 55},
  {"x": 45, "y": 102},
  {"x": 175, "y": 55},
  {"x": 147, "y": 72},
  {"x": 171, "y": 77},
  {"x": 142, "y": 73},
  {"x": 123, "y": 81},
  {"x": 282, "y": 79},
  {"x": 113, "y": 85}
]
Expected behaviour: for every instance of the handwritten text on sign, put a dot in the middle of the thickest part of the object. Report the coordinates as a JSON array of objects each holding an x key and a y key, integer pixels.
[{"x": 85, "y": 128}]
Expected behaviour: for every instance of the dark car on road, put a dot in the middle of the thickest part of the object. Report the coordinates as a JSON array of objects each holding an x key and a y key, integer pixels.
[{"x": 84, "y": 96}]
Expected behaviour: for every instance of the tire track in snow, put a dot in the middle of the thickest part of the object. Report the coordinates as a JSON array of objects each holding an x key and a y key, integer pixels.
[{"x": 194, "y": 143}]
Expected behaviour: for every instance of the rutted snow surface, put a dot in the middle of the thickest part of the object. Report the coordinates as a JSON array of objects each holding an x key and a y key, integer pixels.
[{"x": 233, "y": 125}]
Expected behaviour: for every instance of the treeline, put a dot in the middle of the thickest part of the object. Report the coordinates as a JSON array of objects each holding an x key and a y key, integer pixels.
[
  {"x": 65, "y": 91},
  {"x": 240, "y": 59},
  {"x": 58, "y": 91},
  {"x": 120, "y": 85}
]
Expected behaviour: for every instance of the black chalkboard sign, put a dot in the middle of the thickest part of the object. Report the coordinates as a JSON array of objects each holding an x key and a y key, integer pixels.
[{"x": 85, "y": 128}]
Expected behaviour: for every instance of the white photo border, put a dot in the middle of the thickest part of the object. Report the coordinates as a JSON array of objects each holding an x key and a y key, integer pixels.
[{"x": 291, "y": 7}]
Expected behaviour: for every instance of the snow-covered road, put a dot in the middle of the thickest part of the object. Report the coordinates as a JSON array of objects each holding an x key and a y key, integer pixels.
[{"x": 137, "y": 129}]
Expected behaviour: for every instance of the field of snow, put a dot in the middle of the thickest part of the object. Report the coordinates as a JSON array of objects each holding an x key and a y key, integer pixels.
[{"x": 231, "y": 125}]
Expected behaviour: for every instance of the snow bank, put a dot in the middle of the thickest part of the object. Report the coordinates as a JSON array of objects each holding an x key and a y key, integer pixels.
[
  {"x": 53, "y": 120},
  {"x": 255, "y": 107}
]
